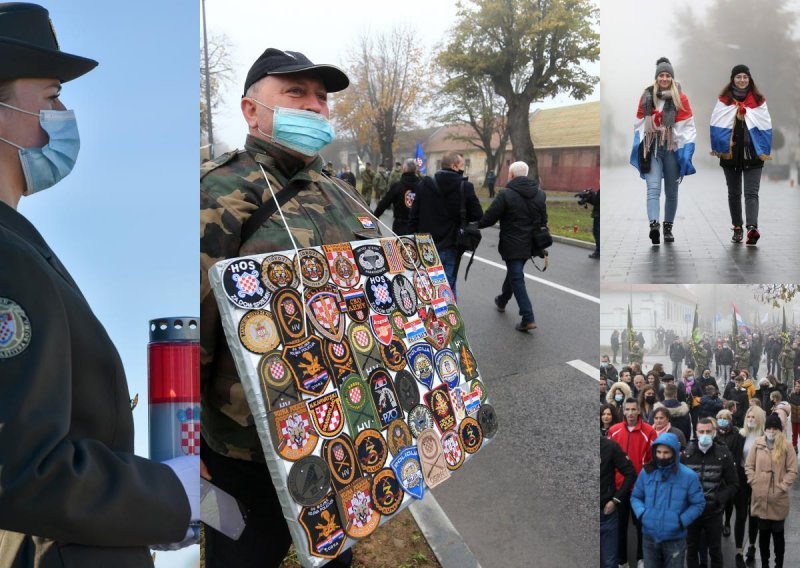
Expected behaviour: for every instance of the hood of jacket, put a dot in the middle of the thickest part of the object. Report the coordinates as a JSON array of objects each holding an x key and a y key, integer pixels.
[
  {"x": 620, "y": 385},
  {"x": 675, "y": 407},
  {"x": 409, "y": 178},
  {"x": 448, "y": 180},
  {"x": 525, "y": 186},
  {"x": 671, "y": 440}
]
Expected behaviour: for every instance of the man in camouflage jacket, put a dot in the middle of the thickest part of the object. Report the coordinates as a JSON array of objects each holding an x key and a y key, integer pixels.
[
  {"x": 325, "y": 210},
  {"x": 367, "y": 179}
]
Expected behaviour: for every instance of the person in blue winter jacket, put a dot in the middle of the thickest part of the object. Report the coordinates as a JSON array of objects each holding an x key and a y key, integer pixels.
[{"x": 666, "y": 499}]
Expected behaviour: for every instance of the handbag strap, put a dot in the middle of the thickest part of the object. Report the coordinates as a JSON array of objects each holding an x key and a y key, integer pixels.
[{"x": 269, "y": 207}]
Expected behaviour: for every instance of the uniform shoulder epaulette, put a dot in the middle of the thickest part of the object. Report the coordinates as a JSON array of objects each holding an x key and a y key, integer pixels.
[{"x": 211, "y": 165}]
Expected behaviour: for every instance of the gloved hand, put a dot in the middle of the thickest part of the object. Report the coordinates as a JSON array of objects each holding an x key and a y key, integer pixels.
[{"x": 187, "y": 468}]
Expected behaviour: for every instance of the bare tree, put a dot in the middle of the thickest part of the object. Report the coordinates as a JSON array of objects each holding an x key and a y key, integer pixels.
[{"x": 220, "y": 73}]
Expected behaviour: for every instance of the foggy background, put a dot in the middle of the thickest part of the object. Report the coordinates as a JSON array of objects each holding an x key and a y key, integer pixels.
[{"x": 703, "y": 40}]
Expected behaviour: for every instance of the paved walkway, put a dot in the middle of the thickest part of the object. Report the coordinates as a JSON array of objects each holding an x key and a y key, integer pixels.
[{"x": 702, "y": 251}]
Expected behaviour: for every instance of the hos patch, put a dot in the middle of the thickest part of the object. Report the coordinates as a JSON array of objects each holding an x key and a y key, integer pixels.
[
  {"x": 293, "y": 435},
  {"x": 309, "y": 481},
  {"x": 342, "y": 263},
  {"x": 278, "y": 271},
  {"x": 398, "y": 436},
  {"x": 327, "y": 414},
  {"x": 407, "y": 390},
  {"x": 358, "y": 406},
  {"x": 420, "y": 360},
  {"x": 384, "y": 397},
  {"x": 488, "y": 420},
  {"x": 438, "y": 400},
  {"x": 404, "y": 295},
  {"x": 379, "y": 294},
  {"x": 420, "y": 418},
  {"x": 434, "y": 467},
  {"x": 371, "y": 450},
  {"x": 356, "y": 306},
  {"x": 340, "y": 455},
  {"x": 287, "y": 309},
  {"x": 340, "y": 359},
  {"x": 447, "y": 367},
  {"x": 313, "y": 267},
  {"x": 359, "y": 514},
  {"x": 257, "y": 332},
  {"x": 277, "y": 381},
  {"x": 15, "y": 329},
  {"x": 370, "y": 260},
  {"x": 394, "y": 355},
  {"x": 308, "y": 365},
  {"x": 471, "y": 435},
  {"x": 452, "y": 450},
  {"x": 387, "y": 495},
  {"x": 408, "y": 471},
  {"x": 241, "y": 280},
  {"x": 323, "y": 527}
]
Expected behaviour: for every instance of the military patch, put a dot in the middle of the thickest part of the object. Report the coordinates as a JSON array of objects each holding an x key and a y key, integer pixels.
[
  {"x": 15, "y": 329},
  {"x": 277, "y": 381},
  {"x": 452, "y": 450},
  {"x": 368, "y": 362},
  {"x": 340, "y": 359},
  {"x": 453, "y": 318},
  {"x": 466, "y": 361},
  {"x": 361, "y": 339},
  {"x": 327, "y": 414},
  {"x": 420, "y": 359},
  {"x": 427, "y": 250},
  {"x": 372, "y": 450},
  {"x": 423, "y": 286},
  {"x": 392, "y": 254},
  {"x": 309, "y": 481},
  {"x": 340, "y": 455},
  {"x": 323, "y": 312},
  {"x": 358, "y": 406},
  {"x": 457, "y": 400},
  {"x": 444, "y": 292},
  {"x": 398, "y": 436},
  {"x": 488, "y": 420},
  {"x": 379, "y": 294},
  {"x": 313, "y": 267},
  {"x": 360, "y": 516},
  {"x": 434, "y": 467},
  {"x": 394, "y": 355},
  {"x": 420, "y": 418},
  {"x": 241, "y": 280},
  {"x": 407, "y": 468},
  {"x": 472, "y": 402},
  {"x": 381, "y": 328},
  {"x": 469, "y": 432},
  {"x": 342, "y": 263},
  {"x": 384, "y": 397},
  {"x": 323, "y": 528},
  {"x": 293, "y": 435},
  {"x": 447, "y": 367},
  {"x": 257, "y": 332},
  {"x": 278, "y": 271},
  {"x": 437, "y": 275},
  {"x": 437, "y": 331},
  {"x": 308, "y": 365},
  {"x": 407, "y": 390},
  {"x": 477, "y": 386},
  {"x": 438, "y": 400},
  {"x": 408, "y": 253},
  {"x": 356, "y": 304},
  {"x": 370, "y": 260},
  {"x": 404, "y": 295},
  {"x": 439, "y": 306},
  {"x": 287, "y": 308},
  {"x": 366, "y": 222},
  {"x": 398, "y": 322},
  {"x": 387, "y": 495},
  {"x": 414, "y": 329}
]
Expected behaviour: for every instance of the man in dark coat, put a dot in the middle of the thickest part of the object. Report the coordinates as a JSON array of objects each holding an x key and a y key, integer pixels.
[
  {"x": 613, "y": 460},
  {"x": 491, "y": 179},
  {"x": 676, "y": 355},
  {"x": 400, "y": 197},
  {"x": 436, "y": 210},
  {"x": 520, "y": 208}
]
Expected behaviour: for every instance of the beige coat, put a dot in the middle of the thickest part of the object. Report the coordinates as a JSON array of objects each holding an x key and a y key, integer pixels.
[{"x": 770, "y": 481}]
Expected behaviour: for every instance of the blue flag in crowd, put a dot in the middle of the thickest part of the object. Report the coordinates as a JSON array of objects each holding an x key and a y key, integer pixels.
[{"x": 419, "y": 157}]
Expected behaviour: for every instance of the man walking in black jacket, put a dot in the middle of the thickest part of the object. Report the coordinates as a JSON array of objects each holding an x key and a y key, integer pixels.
[
  {"x": 612, "y": 460},
  {"x": 520, "y": 208}
]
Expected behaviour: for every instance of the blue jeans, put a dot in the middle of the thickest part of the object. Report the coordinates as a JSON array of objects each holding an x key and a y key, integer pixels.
[
  {"x": 449, "y": 258},
  {"x": 609, "y": 525},
  {"x": 665, "y": 554},
  {"x": 663, "y": 165},
  {"x": 515, "y": 284}
]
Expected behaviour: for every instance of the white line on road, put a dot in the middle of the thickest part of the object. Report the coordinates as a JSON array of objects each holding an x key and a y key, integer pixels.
[
  {"x": 543, "y": 281},
  {"x": 443, "y": 538},
  {"x": 585, "y": 367}
]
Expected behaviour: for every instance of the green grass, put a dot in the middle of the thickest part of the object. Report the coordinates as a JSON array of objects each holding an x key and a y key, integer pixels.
[{"x": 563, "y": 216}]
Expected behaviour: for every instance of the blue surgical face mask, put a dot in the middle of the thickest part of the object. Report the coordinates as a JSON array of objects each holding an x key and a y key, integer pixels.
[
  {"x": 303, "y": 131},
  {"x": 705, "y": 441},
  {"x": 723, "y": 423},
  {"x": 46, "y": 166}
]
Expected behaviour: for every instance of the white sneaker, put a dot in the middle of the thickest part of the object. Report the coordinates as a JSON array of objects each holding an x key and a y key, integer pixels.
[{"x": 640, "y": 564}]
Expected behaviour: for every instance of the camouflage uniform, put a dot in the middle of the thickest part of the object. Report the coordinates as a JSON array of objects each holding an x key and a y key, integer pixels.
[
  {"x": 367, "y": 179},
  {"x": 636, "y": 355},
  {"x": 786, "y": 362},
  {"x": 381, "y": 184},
  {"x": 232, "y": 188},
  {"x": 395, "y": 176},
  {"x": 742, "y": 358}
]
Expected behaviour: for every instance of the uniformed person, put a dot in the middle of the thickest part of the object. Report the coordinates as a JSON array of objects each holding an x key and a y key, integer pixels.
[
  {"x": 367, "y": 178},
  {"x": 395, "y": 176},
  {"x": 381, "y": 182},
  {"x": 636, "y": 355},
  {"x": 72, "y": 492},
  {"x": 318, "y": 210}
]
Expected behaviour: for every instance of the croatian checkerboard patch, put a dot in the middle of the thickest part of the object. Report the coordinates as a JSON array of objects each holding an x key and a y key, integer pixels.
[{"x": 15, "y": 329}]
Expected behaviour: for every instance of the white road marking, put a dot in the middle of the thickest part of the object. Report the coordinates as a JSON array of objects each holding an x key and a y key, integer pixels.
[
  {"x": 542, "y": 281},
  {"x": 443, "y": 538},
  {"x": 585, "y": 367}
]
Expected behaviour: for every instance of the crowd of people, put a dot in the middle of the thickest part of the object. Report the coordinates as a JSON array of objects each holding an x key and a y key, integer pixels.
[{"x": 684, "y": 453}]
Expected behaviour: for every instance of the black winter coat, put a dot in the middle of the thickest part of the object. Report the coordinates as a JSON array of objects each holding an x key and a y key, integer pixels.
[
  {"x": 400, "y": 198},
  {"x": 520, "y": 207},
  {"x": 613, "y": 459},
  {"x": 716, "y": 471},
  {"x": 438, "y": 211}
]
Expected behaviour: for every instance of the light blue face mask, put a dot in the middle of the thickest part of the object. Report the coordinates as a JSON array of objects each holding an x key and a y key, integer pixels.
[
  {"x": 723, "y": 423},
  {"x": 303, "y": 131},
  {"x": 705, "y": 440},
  {"x": 44, "y": 167}
]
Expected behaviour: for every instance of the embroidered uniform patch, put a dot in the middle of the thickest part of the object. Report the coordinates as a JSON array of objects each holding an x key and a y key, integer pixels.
[
  {"x": 277, "y": 271},
  {"x": 434, "y": 467},
  {"x": 309, "y": 480},
  {"x": 387, "y": 495},
  {"x": 372, "y": 450},
  {"x": 340, "y": 455},
  {"x": 242, "y": 282},
  {"x": 361, "y": 518},
  {"x": 15, "y": 329},
  {"x": 257, "y": 332},
  {"x": 342, "y": 263},
  {"x": 313, "y": 268},
  {"x": 323, "y": 528}
]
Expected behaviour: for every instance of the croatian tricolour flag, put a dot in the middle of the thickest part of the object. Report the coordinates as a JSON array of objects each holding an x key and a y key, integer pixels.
[
  {"x": 739, "y": 321},
  {"x": 684, "y": 134},
  {"x": 756, "y": 120}
]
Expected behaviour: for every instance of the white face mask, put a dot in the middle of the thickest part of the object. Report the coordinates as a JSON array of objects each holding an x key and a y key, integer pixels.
[
  {"x": 751, "y": 423},
  {"x": 770, "y": 436}
]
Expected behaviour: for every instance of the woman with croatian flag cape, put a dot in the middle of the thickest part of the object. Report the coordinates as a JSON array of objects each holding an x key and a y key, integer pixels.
[
  {"x": 663, "y": 144},
  {"x": 741, "y": 136}
]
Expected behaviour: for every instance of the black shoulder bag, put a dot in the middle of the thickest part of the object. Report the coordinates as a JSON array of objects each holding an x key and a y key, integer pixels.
[
  {"x": 468, "y": 236},
  {"x": 269, "y": 207}
]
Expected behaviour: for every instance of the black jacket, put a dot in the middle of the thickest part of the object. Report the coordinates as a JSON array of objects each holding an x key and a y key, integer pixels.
[
  {"x": 400, "y": 198},
  {"x": 613, "y": 459},
  {"x": 725, "y": 357},
  {"x": 716, "y": 471},
  {"x": 520, "y": 208},
  {"x": 438, "y": 211},
  {"x": 677, "y": 352},
  {"x": 735, "y": 442}
]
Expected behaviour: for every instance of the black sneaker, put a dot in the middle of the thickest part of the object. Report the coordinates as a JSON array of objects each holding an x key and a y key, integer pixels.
[
  {"x": 655, "y": 233},
  {"x": 500, "y": 307},
  {"x": 595, "y": 254},
  {"x": 752, "y": 236},
  {"x": 668, "y": 238},
  {"x": 750, "y": 558},
  {"x": 738, "y": 235},
  {"x": 526, "y": 327},
  {"x": 726, "y": 530},
  {"x": 740, "y": 561}
]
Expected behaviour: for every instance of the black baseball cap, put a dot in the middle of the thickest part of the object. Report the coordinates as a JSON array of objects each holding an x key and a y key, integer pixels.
[
  {"x": 278, "y": 62},
  {"x": 29, "y": 48}
]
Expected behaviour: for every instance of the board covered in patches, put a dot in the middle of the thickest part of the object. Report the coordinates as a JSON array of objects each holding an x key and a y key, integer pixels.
[{"x": 356, "y": 364}]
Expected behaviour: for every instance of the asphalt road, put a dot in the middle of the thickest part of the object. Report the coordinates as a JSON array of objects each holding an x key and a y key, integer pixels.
[{"x": 530, "y": 498}]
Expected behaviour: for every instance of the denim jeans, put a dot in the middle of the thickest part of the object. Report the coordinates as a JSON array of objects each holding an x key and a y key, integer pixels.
[
  {"x": 752, "y": 182},
  {"x": 609, "y": 525},
  {"x": 515, "y": 284},
  {"x": 663, "y": 165},
  {"x": 449, "y": 258},
  {"x": 665, "y": 554}
]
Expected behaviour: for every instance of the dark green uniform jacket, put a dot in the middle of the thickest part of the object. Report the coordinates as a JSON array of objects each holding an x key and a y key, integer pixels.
[{"x": 72, "y": 493}]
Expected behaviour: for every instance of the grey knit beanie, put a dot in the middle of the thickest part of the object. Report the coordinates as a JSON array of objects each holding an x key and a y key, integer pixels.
[{"x": 663, "y": 65}]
